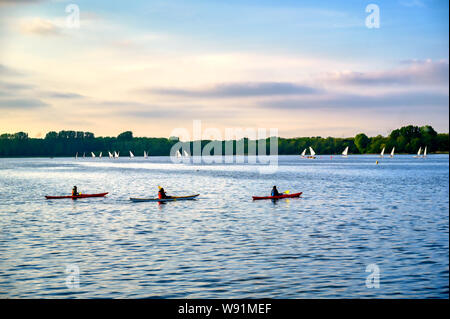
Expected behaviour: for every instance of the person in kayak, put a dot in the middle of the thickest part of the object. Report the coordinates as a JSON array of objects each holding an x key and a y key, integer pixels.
[
  {"x": 75, "y": 191},
  {"x": 162, "y": 194},
  {"x": 275, "y": 192}
]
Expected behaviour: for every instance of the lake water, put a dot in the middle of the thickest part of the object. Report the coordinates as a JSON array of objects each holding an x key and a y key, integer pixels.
[{"x": 353, "y": 213}]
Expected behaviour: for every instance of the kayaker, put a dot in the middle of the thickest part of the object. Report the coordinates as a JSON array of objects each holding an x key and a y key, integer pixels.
[
  {"x": 74, "y": 191},
  {"x": 162, "y": 194},
  {"x": 275, "y": 192}
]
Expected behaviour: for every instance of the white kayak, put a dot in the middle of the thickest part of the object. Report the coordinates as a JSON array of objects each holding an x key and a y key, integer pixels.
[{"x": 170, "y": 199}]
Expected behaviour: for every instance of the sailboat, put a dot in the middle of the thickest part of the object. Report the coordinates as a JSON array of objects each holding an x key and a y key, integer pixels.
[
  {"x": 425, "y": 152},
  {"x": 131, "y": 155},
  {"x": 84, "y": 155},
  {"x": 92, "y": 154},
  {"x": 418, "y": 153},
  {"x": 145, "y": 154},
  {"x": 345, "y": 152},
  {"x": 116, "y": 155},
  {"x": 178, "y": 154},
  {"x": 392, "y": 152},
  {"x": 76, "y": 155},
  {"x": 185, "y": 153},
  {"x": 313, "y": 154},
  {"x": 110, "y": 155},
  {"x": 100, "y": 155},
  {"x": 382, "y": 152},
  {"x": 303, "y": 153}
]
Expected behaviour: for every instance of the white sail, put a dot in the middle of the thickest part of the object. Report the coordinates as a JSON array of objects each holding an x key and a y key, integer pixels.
[
  {"x": 131, "y": 155},
  {"x": 392, "y": 152},
  {"x": 110, "y": 155},
  {"x": 92, "y": 154},
  {"x": 304, "y": 153},
  {"x": 382, "y": 152},
  {"x": 425, "y": 152},
  {"x": 145, "y": 154},
  {"x": 185, "y": 153},
  {"x": 345, "y": 152},
  {"x": 76, "y": 155},
  {"x": 100, "y": 155},
  {"x": 116, "y": 154},
  {"x": 312, "y": 151},
  {"x": 178, "y": 154},
  {"x": 84, "y": 155},
  {"x": 419, "y": 152}
]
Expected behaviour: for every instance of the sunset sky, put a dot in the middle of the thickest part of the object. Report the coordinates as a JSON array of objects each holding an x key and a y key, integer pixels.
[{"x": 308, "y": 68}]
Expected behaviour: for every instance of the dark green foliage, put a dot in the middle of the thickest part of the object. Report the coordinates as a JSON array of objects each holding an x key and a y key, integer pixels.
[
  {"x": 125, "y": 136},
  {"x": 67, "y": 143},
  {"x": 362, "y": 142},
  {"x": 21, "y": 136},
  {"x": 51, "y": 135},
  {"x": 6, "y": 136}
]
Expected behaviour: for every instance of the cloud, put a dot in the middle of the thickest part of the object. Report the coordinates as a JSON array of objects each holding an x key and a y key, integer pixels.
[
  {"x": 12, "y": 89},
  {"x": 420, "y": 72},
  {"x": 145, "y": 111},
  {"x": 166, "y": 113},
  {"x": 412, "y": 3},
  {"x": 232, "y": 90},
  {"x": 14, "y": 2},
  {"x": 27, "y": 103},
  {"x": 10, "y": 86},
  {"x": 361, "y": 102},
  {"x": 155, "y": 112},
  {"x": 6, "y": 70},
  {"x": 64, "y": 95},
  {"x": 38, "y": 26},
  {"x": 119, "y": 103}
]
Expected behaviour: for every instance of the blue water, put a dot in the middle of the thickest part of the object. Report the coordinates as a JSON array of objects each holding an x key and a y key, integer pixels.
[{"x": 352, "y": 213}]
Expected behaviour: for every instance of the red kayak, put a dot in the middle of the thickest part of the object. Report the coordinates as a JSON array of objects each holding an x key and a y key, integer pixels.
[
  {"x": 277, "y": 197},
  {"x": 77, "y": 196}
]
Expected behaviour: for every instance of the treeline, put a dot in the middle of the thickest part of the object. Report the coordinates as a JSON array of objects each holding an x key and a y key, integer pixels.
[
  {"x": 68, "y": 143},
  {"x": 407, "y": 139}
]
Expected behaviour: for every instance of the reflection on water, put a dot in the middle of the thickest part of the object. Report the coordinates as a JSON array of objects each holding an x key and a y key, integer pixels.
[{"x": 225, "y": 245}]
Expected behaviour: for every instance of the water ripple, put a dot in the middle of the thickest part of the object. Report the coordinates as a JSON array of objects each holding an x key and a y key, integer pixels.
[{"x": 224, "y": 245}]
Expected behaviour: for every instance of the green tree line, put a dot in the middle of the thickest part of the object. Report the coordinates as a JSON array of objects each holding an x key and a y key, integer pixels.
[{"x": 407, "y": 139}]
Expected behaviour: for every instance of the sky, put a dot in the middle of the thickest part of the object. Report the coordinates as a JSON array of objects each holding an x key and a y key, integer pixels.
[{"x": 307, "y": 68}]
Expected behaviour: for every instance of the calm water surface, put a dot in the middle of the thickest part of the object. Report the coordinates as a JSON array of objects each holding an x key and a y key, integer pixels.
[{"x": 352, "y": 213}]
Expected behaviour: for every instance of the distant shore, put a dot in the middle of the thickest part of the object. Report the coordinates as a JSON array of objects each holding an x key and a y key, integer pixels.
[
  {"x": 405, "y": 140},
  {"x": 153, "y": 156}
]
